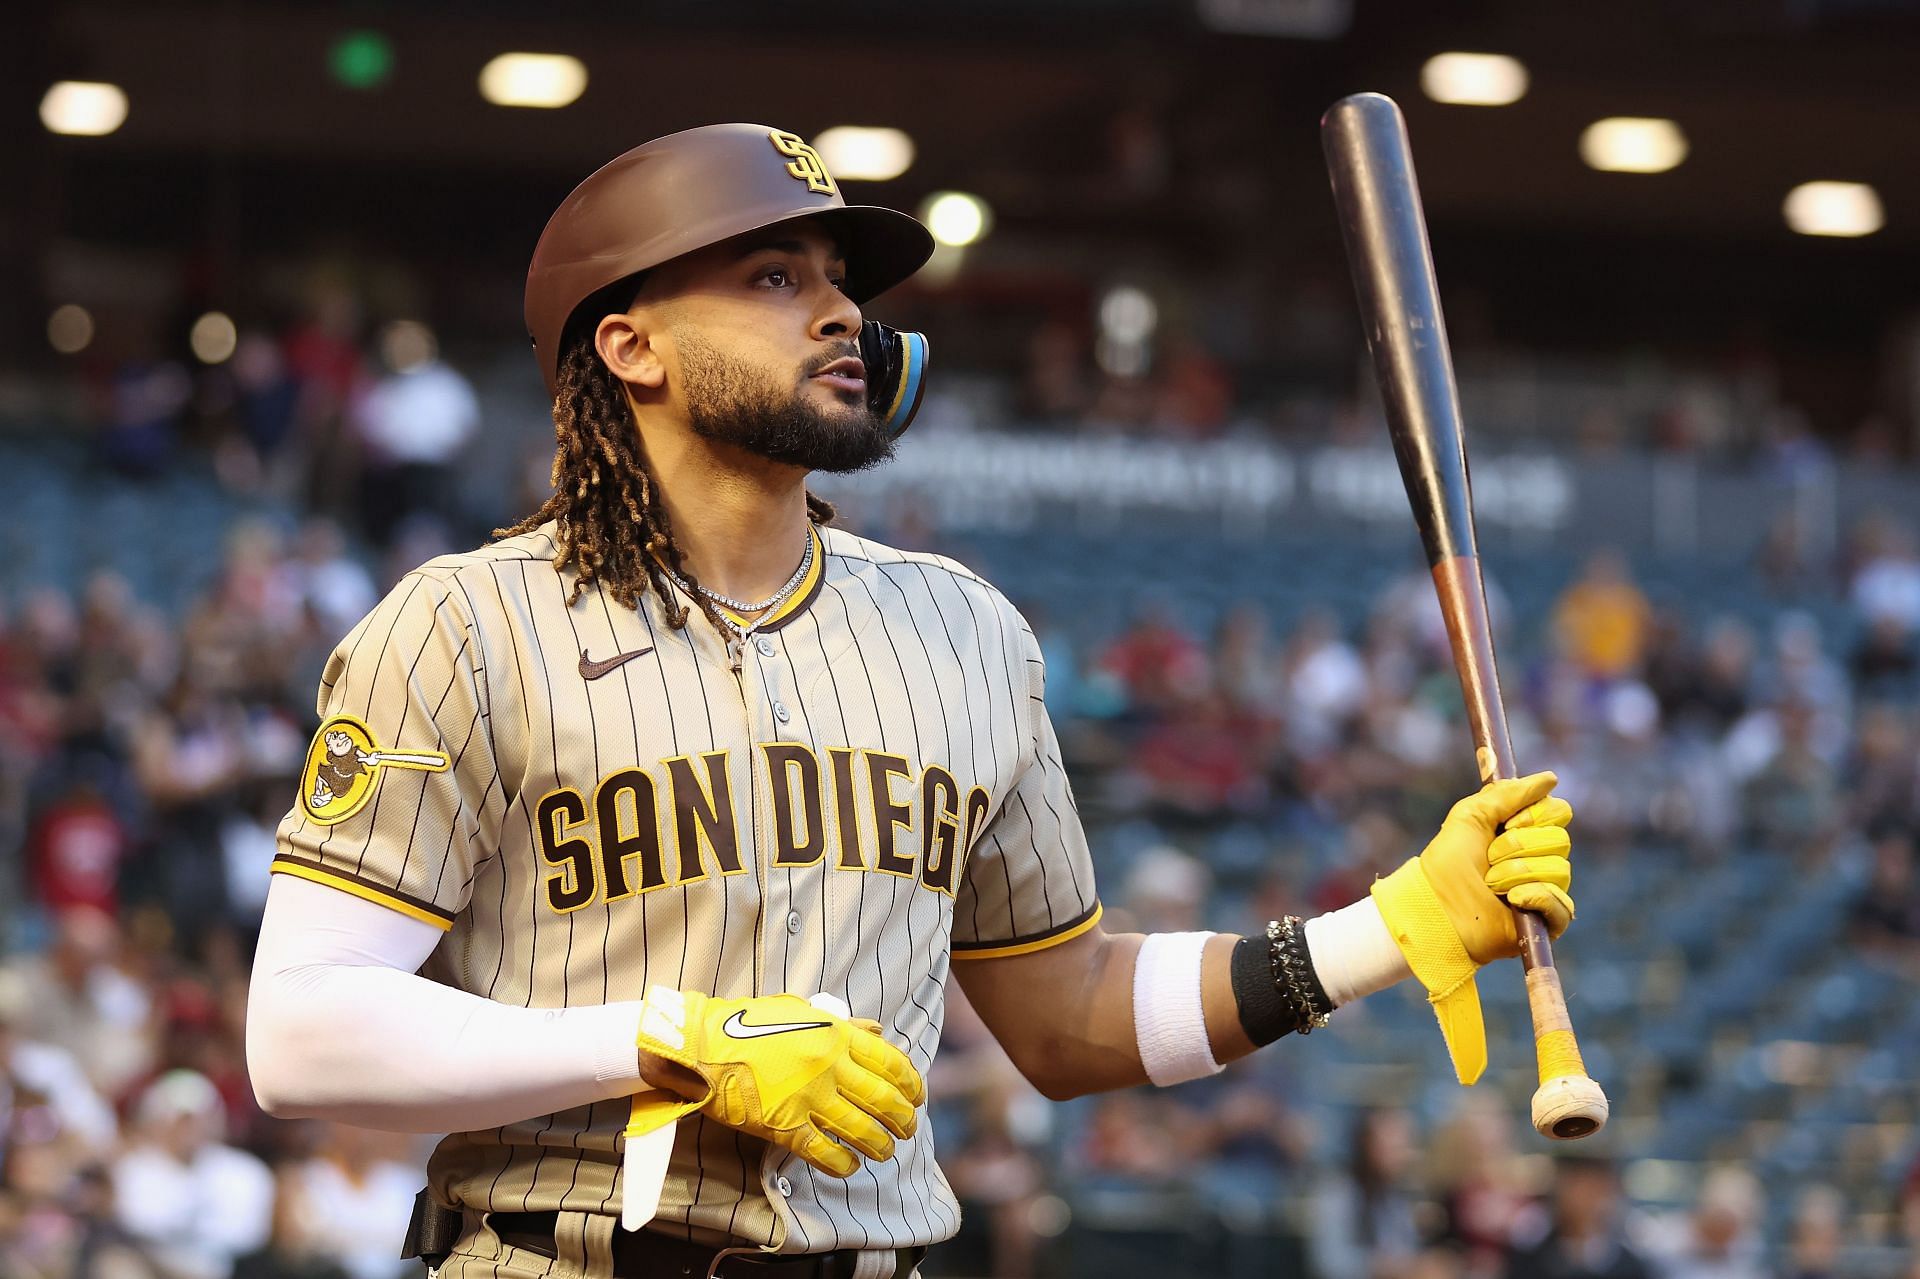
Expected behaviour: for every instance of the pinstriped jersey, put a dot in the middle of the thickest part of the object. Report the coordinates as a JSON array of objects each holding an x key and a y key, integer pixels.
[{"x": 589, "y": 801}]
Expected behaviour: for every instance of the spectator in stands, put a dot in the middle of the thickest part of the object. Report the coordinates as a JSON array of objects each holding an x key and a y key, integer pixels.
[
  {"x": 413, "y": 423},
  {"x": 1787, "y": 561},
  {"x": 1582, "y": 1235},
  {"x": 357, "y": 1189},
  {"x": 1793, "y": 803},
  {"x": 1792, "y": 452},
  {"x": 148, "y": 396},
  {"x": 1056, "y": 388},
  {"x": 196, "y": 1203},
  {"x": 997, "y": 1121},
  {"x": 995, "y": 1175},
  {"x": 1720, "y": 1238},
  {"x": 43, "y": 1089},
  {"x": 1705, "y": 693},
  {"x": 266, "y": 400},
  {"x": 1166, "y": 891},
  {"x": 1883, "y": 771},
  {"x": 1194, "y": 390},
  {"x": 1159, "y": 664},
  {"x": 1372, "y": 844},
  {"x": 1479, "y": 1184},
  {"x": 1135, "y": 1139},
  {"x": 75, "y": 849},
  {"x": 1819, "y": 1234},
  {"x": 1325, "y": 683},
  {"x": 1364, "y": 1222},
  {"x": 1245, "y": 668},
  {"x": 335, "y": 587},
  {"x": 1883, "y": 661},
  {"x": 1886, "y": 913},
  {"x": 325, "y": 362},
  {"x": 1602, "y": 622},
  {"x": 1202, "y": 761},
  {"x": 78, "y": 999},
  {"x": 1887, "y": 586},
  {"x": 102, "y": 1248},
  {"x": 189, "y": 753},
  {"x": 294, "y": 1250},
  {"x": 1251, "y": 1146},
  {"x": 1802, "y": 672}
]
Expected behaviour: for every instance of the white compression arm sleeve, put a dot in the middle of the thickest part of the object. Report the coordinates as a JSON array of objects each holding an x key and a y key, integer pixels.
[{"x": 341, "y": 1027}]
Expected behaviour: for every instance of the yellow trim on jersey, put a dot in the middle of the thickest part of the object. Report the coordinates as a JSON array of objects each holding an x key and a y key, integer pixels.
[
  {"x": 1038, "y": 943},
  {"x": 363, "y": 891},
  {"x": 802, "y": 594}
]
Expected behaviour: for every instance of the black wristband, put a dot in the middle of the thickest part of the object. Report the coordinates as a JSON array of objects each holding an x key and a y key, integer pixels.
[{"x": 1268, "y": 1003}]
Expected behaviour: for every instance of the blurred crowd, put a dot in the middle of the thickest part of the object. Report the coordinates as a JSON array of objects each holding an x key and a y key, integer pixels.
[
  {"x": 146, "y": 757},
  {"x": 309, "y": 411}
]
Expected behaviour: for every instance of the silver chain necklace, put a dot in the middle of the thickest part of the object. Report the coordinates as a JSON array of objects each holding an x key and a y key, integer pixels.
[{"x": 779, "y": 597}]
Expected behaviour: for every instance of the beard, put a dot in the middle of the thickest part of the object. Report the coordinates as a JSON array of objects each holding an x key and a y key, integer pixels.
[{"x": 732, "y": 402}]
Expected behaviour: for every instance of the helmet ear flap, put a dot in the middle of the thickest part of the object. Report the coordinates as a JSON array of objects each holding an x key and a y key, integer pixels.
[{"x": 896, "y": 373}]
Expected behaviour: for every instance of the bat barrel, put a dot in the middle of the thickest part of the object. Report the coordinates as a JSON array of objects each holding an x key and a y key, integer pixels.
[{"x": 1384, "y": 226}]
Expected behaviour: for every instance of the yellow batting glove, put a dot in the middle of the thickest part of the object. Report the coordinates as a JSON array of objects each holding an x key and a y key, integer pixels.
[
  {"x": 781, "y": 1069},
  {"x": 1451, "y": 908}
]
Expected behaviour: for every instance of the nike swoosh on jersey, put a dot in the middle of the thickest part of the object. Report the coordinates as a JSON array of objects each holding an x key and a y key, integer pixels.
[
  {"x": 590, "y": 669},
  {"x": 737, "y": 1028}
]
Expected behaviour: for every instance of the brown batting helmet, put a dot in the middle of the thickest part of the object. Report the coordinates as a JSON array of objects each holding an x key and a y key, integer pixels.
[{"x": 692, "y": 189}]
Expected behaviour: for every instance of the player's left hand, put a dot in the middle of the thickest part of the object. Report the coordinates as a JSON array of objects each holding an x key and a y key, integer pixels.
[
  {"x": 783, "y": 1069},
  {"x": 1451, "y": 908}
]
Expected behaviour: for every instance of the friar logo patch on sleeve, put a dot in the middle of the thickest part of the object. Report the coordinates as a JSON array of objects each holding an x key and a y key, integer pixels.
[{"x": 343, "y": 767}]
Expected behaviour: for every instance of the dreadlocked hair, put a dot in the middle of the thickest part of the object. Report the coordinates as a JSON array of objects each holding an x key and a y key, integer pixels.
[{"x": 609, "y": 522}]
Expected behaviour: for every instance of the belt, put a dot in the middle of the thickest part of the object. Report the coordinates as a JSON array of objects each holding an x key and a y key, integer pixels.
[{"x": 644, "y": 1254}]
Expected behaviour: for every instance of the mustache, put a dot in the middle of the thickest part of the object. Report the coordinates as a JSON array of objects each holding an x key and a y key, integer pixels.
[{"x": 849, "y": 351}]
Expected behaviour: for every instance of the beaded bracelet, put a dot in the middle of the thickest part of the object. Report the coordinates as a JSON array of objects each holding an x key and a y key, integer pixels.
[{"x": 1293, "y": 975}]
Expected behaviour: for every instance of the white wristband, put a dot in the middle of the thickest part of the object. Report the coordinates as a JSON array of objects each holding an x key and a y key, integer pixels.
[
  {"x": 1168, "y": 1020},
  {"x": 1353, "y": 953}
]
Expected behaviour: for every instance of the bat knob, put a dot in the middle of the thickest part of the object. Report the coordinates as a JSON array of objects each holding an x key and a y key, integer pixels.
[{"x": 1569, "y": 1107}]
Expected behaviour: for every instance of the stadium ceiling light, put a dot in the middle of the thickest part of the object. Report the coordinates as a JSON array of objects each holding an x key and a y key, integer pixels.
[
  {"x": 70, "y": 329},
  {"x": 533, "y": 80},
  {"x": 872, "y": 155},
  {"x": 83, "y": 108},
  {"x": 956, "y": 218},
  {"x": 1834, "y": 208},
  {"x": 1632, "y": 144},
  {"x": 213, "y": 338},
  {"x": 1474, "y": 79}
]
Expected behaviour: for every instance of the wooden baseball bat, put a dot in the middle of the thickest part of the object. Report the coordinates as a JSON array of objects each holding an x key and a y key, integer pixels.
[{"x": 1385, "y": 230}]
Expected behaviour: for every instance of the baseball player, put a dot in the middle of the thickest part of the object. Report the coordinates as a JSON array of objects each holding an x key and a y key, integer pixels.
[{"x": 728, "y": 792}]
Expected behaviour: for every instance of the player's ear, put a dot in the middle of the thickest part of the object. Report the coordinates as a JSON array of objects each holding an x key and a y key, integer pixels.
[{"x": 625, "y": 344}]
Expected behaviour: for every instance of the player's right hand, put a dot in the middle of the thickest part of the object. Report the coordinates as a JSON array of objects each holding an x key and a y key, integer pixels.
[
  {"x": 779, "y": 1068},
  {"x": 1451, "y": 908}
]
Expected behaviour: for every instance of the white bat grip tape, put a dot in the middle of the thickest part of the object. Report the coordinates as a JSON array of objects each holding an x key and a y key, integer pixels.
[{"x": 1168, "y": 1019}]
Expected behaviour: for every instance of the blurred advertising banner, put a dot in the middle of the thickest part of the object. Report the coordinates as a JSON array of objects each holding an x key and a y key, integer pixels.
[{"x": 955, "y": 477}]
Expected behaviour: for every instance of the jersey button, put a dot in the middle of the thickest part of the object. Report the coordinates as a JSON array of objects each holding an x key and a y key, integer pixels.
[
  {"x": 793, "y": 922},
  {"x": 765, "y": 646},
  {"x": 781, "y": 713},
  {"x": 786, "y": 1188}
]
